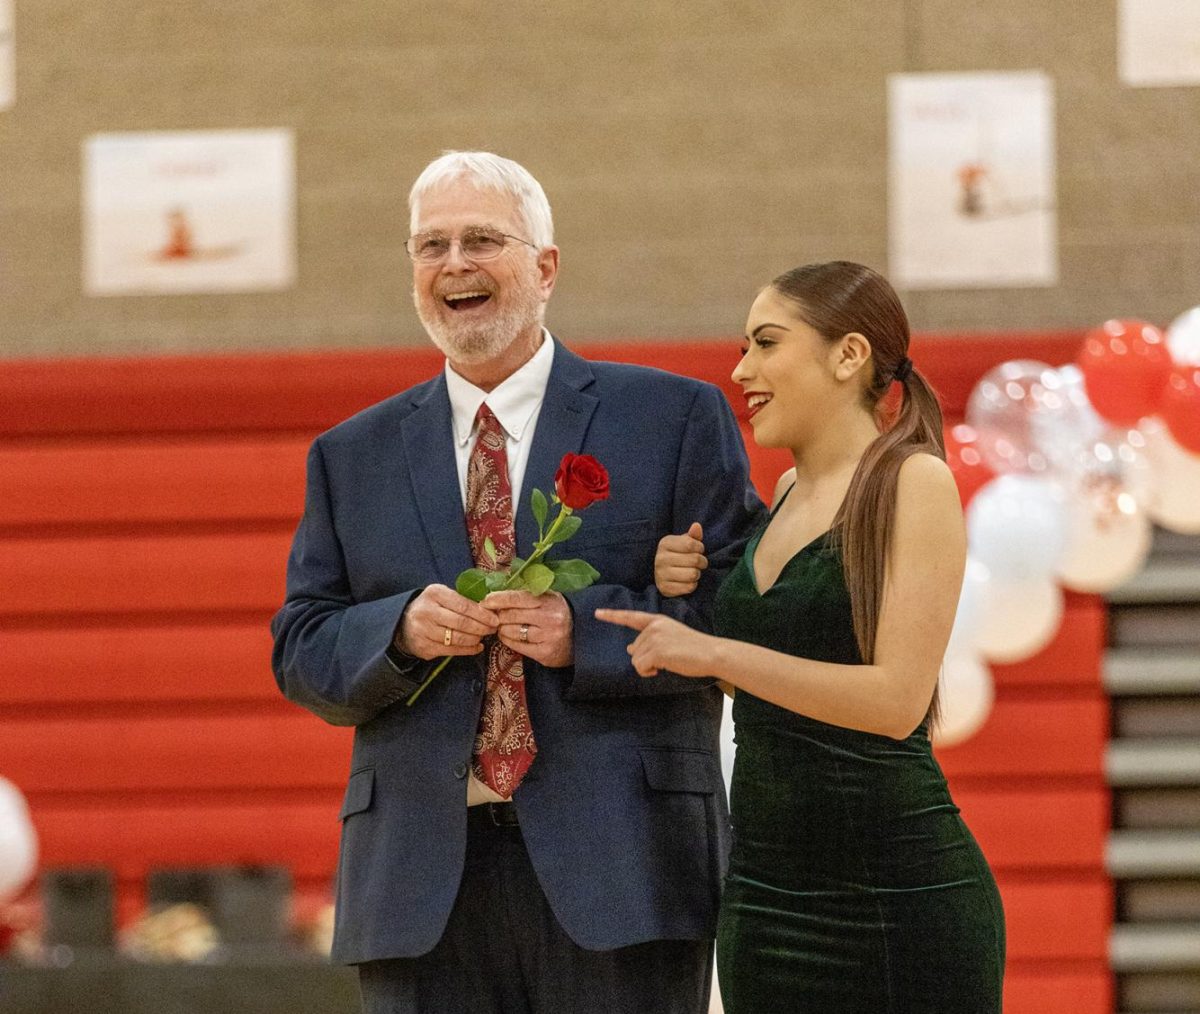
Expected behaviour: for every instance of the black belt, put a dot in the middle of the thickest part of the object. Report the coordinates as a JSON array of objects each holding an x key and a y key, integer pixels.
[{"x": 485, "y": 815}]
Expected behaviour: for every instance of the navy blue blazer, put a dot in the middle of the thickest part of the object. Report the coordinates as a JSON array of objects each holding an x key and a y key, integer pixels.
[{"x": 623, "y": 811}]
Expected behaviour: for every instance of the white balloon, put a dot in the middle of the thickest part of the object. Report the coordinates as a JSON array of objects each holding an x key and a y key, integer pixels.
[
  {"x": 1021, "y": 618},
  {"x": 1174, "y": 499},
  {"x": 1116, "y": 454},
  {"x": 1061, "y": 434},
  {"x": 1006, "y": 408},
  {"x": 1108, "y": 534},
  {"x": 972, "y": 606},
  {"x": 1016, "y": 527},
  {"x": 18, "y": 842},
  {"x": 1183, "y": 338},
  {"x": 966, "y": 694},
  {"x": 1074, "y": 390}
]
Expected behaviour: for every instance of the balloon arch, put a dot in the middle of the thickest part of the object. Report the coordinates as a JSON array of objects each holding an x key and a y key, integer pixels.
[{"x": 1063, "y": 472}]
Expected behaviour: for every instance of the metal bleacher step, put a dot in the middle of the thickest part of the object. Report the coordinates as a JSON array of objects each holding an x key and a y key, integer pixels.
[
  {"x": 1163, "y": 580},
  {"x": 1169, "y": 992},
  {"x": 1133, "y": 854},
  {"x": 1154, "y": 947},
  {"x": 1153, "y": 762},
  {"x": 1152, "y": 671},
  {"x": 1159, "y": 901},
  {"x": 1157, "y": 807},
  {"x": 1173, "y": 717},
  {"x": 1152, "y": 675}
]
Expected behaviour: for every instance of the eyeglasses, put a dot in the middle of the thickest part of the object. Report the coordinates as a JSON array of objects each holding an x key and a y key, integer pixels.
[{"x": 475, "y": 244}]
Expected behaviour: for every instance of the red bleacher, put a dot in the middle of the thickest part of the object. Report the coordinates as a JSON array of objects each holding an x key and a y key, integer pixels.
[{"x": 147, "y": 510}]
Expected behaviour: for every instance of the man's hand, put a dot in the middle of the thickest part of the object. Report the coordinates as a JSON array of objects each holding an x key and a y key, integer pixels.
[
  {"x": 679, "y": 562},
  {"x": 439, "y": 622},
  {"x": 536, "y": 626}
]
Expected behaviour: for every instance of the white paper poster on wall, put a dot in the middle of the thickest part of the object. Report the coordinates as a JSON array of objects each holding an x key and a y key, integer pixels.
[
  {"x": 8, "y": 56},
  {"x": 201, "y": 211},
  {"x": 1159, "y": 42},
  {"x": 971, "y": 191}
]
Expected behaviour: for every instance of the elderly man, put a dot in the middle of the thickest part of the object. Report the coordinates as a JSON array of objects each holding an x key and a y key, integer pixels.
[{"x": 541, "y": 830}]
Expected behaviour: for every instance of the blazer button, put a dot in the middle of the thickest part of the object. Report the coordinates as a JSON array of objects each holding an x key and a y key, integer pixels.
[
  {"x": 477, "y": 686},
  {"x": 460, "y": 770}
]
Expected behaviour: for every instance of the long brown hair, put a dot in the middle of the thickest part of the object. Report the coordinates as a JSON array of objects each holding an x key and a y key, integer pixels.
[{"x": 836, "y": 299}]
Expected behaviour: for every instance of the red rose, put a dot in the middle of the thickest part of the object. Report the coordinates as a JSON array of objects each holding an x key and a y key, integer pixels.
[{"x": 580, "y": 480}]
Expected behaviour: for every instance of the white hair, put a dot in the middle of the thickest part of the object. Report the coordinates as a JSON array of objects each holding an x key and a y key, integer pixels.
[{"x": 489, "y": 172}]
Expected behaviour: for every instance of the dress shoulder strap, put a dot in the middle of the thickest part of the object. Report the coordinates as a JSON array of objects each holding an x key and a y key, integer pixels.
[{"x": 786, "y": 494}]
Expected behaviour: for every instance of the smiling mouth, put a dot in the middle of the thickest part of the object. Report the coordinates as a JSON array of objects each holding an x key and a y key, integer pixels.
[
  {"x": 755, "y": 403},
  {"x": 466, "y": 300}
]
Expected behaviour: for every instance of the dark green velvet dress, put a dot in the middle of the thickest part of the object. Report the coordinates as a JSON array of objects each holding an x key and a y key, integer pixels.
[{"x": 854, "y": 885}]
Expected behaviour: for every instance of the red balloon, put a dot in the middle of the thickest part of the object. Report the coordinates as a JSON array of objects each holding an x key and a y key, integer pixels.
[
  {"x": 1125, "y": 365},
  {"x": 1181, "y": 407},
  {"x": 966, "y": 461}
]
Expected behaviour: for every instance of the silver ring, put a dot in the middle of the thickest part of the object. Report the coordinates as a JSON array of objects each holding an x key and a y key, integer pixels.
[
  {"x": 524, "y": 631},
  {"x": 446, "y": 638}
]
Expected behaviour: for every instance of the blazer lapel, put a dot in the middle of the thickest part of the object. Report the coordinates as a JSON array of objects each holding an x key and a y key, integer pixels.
[
  {"x": 428, "y": 436},
  {"x": 561, "y": 427}
]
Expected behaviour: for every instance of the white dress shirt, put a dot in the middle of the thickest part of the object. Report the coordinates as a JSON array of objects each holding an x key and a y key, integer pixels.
[{"x": 516, "y": 402}]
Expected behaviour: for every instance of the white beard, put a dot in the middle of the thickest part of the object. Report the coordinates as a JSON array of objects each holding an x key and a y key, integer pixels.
[{"x": 471, "y": 343}]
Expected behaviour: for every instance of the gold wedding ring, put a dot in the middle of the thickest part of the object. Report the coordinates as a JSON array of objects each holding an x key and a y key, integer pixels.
[
  {"x": 446, "y": 637},
  {"x": 524, "y": 631}
]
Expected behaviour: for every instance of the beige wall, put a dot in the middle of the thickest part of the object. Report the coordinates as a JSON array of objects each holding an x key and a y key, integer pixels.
[{"x": 690, "y": 151}]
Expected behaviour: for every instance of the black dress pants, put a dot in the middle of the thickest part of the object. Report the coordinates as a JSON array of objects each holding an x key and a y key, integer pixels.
[{"x": 504, "y": 952}]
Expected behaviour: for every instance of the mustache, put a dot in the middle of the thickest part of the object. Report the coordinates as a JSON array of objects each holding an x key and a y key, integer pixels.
[{"x": 472, "y": 283}]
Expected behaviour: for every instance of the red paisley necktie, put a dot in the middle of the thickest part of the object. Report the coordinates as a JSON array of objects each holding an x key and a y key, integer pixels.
[{"x": 504, "y": 746}]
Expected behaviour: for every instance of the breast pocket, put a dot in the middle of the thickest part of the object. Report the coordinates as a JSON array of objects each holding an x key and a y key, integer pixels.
[
  {"x": 623, "y": 552},
  {"x": 613, "y": 534}
]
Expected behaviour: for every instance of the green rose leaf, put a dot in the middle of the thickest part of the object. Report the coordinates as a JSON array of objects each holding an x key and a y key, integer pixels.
[
  {"x": 472, "y": 584},
  {"x": 538, "y": 578},
  {"x": 494, "y": 580},
  {"x": 489, "y": 549},
  {"x": 537, "y": 503},
  {"x": 568, "y": 527},
  {"x": 571, "y": 575}
]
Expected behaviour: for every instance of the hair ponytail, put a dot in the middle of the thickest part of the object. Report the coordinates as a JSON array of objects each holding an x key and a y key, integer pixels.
[{"x": 836, "y": 299}]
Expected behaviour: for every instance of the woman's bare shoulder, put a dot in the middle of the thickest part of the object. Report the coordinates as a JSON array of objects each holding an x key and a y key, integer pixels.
[
  {"x": 923, "y": 474},
  {"x": 782, "y": 486},
  {"x": 927, "y": 495}
]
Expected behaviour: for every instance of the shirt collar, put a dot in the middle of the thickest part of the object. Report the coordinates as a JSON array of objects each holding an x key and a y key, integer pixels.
[{"x": 513, "y": 400}]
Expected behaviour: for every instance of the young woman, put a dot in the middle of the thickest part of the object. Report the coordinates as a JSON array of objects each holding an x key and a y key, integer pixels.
[{"x": 854, "y": 885}]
